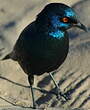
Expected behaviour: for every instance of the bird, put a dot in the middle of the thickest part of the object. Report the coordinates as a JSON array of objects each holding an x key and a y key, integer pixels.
[{"x": 43, "y": 45}]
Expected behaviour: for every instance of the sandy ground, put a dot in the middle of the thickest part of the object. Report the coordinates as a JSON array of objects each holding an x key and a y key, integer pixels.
[
  {"x": 74, "y": 74},
  {"x": 68, "y": 2}
]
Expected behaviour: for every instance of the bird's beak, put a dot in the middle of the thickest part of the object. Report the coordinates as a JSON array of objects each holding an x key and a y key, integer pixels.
[{"x": 81, "y": 26}]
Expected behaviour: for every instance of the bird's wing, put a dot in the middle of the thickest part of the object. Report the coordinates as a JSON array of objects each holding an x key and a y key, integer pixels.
[{"x": 24, "y": 41}]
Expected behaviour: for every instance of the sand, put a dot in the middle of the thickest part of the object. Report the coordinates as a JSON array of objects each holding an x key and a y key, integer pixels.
[{"x": 74, "y": 74}]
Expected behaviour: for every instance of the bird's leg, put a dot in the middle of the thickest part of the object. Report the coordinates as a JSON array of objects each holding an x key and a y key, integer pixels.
[
  {"x": 31, "y": 81},
  {"x": 56, "y": 85},
  {"x": 60, "y": 94}
]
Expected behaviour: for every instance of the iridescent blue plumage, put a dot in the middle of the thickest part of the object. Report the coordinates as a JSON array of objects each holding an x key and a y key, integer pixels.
[
  {"x": 56, "y": 23},
  {"x": 43, "y": 45},
  {"x": 57, "y": 34},
  {"x": 70, "y": 13}
]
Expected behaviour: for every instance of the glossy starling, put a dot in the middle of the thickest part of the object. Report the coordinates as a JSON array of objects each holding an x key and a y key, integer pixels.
[{"x": 43, "y": 45}]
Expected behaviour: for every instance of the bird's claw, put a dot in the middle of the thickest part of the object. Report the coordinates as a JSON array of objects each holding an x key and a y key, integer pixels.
[{"x": 64, "y": 97}]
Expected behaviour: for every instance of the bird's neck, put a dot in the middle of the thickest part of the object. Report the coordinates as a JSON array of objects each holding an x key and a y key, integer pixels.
[
  {"x": 56, "y": 33},
  {"x": 49, "y": 30}
]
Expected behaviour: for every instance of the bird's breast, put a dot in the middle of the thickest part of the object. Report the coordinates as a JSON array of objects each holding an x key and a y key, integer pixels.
[
  {"x": 43, "y": 54},
  {"x": 49, "y": 54}
]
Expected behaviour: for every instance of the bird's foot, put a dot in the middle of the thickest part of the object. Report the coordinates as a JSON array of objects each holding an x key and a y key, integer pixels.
[
  {"x": 63, "y": 96},
  {"x": 35, "y": 106}
]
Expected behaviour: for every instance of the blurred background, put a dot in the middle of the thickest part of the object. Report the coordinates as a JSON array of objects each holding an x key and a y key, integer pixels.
[{"x": 74, "y": 74}]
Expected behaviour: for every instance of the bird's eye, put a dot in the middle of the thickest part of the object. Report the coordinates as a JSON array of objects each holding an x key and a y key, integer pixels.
[{"x": 65, "y": 19}]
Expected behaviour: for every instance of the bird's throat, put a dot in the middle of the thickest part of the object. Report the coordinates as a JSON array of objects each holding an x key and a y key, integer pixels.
[{"x": 57, "y": 34}]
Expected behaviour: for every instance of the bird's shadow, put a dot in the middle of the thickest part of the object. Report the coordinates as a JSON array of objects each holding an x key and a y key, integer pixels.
[
  {"x": 48, "y": 96},
  {"x": 24, "y": 86},
  {"x": 68, "y": 90},
  {"x": 45, "y": 81}
]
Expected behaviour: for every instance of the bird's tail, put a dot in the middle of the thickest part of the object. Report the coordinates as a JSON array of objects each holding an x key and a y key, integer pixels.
[{"x": 7, "y": 57}]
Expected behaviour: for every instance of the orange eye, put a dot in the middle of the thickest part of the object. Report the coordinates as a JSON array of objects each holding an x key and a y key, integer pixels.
[{"x": 65, "y": 19}]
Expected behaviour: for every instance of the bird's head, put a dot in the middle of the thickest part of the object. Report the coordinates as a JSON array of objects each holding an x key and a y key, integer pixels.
[{"x": 60, "y": 16}]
